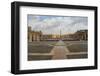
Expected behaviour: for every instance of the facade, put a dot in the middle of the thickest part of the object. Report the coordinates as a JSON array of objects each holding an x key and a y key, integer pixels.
[
  {"x": 50, "y": 37},
  {"x": 67, "y": 37},
  {"x": 34, "y": 35},
  {"x": 38, "y": 36},
  {"x": 81, "y": 35}
]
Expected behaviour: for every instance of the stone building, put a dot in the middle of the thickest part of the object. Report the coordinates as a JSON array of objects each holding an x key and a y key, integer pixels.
[
  {"x": 78, "y": 35},
  {"x": 50, "y": 37},
  {"x": 38, "y": 36},
  {"x": 34, "y": 35},
  {"x": 82, "y": 34}
]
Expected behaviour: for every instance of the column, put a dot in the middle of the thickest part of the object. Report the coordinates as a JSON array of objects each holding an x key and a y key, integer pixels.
[{"x": 30, "y": 37}]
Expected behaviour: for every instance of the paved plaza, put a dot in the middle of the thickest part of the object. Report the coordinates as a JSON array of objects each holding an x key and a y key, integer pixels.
[
  {"x": 59, "y": 51},
  {"x": 51, "y": 50}
]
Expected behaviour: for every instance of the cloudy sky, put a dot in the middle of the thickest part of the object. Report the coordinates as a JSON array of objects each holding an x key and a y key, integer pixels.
[{"x": 53, "y": 24}]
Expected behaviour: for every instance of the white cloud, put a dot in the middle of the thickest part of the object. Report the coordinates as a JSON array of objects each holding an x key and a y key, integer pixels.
[{"x": 53, "y": 25}]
